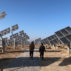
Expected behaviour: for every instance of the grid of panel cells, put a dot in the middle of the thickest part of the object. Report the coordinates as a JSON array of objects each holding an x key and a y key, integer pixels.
[
  {"x": 59, "y": 34},
  {"x": 69, "y": 37},
  {"x": 64, "y": 32},
  {"x": 52, "y": 42},
  {"x": 68, "y": 29},
  {"x": 56, "y": 41},
  {"x": 64, "y": 40}
]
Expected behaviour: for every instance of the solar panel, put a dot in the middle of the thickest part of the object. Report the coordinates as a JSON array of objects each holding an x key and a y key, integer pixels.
[
  {"x": 14, "y": 35},
  {"x": 45, "y": 41},
  {"x": 4, "y": 32},
  {"x": 68, "y": 29},
  {"x": 19, "y": 39},
  {"x": 64, "y": 32},
  {"x": 26, "y": 36},
  {"x": 69, "y": 37},
  {"x": 2, "y": 15},
  {"x": 21, "y": 32},
  {"x": 56, "y": 41},
  {"x": 52, "y": 42},
  {"x": 15, "y": 27},
  {"x": 59, "y": 34},
  {"x": 64, "y": 35},
  {"x": 51, "y": 37},
  {"x": 64, "y": 40}
]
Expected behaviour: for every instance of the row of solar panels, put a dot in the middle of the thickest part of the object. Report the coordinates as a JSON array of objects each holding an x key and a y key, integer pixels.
[
  {"x": 17, "y": 42},
  {"x": 8, "y": 30},
  {"x": 61, "y": 36},
  {"x": 18, "y": 37},
  {"x": 21, "y": 36}
]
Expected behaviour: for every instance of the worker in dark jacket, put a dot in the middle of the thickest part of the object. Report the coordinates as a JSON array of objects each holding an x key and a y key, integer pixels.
[
  {"x": 31, "y": 48},
  {"x": 41, "y": 50}
]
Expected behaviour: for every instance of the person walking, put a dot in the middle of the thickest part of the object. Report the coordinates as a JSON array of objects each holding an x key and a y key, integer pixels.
[
  {"x": 41, "y": 50},
  {"x": 31, "y": 48}
]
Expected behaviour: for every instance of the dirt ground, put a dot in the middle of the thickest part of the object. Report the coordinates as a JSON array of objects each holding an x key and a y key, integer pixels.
[
  {"x": 9, "y": 55},
  {"x": 55, "y": 59}
]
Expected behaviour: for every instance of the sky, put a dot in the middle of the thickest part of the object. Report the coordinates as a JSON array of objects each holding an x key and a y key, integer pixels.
[{"x": 38, "y": 18}]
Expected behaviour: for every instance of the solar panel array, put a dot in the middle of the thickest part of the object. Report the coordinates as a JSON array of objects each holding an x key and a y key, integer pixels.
[
  {"x": 62, "y": 36},
  {"x": 17, "y": 38},
  {"x": 20, "y": 37},
  {"x": 65, "y": 35},
  {"x": 7, "y": 31},
  {"x": 45, "y": 41}
]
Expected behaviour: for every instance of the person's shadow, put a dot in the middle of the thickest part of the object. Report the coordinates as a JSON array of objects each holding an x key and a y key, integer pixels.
[
  {"x": 28, "y": 62},
  {"x": 65, "y": 62}
]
